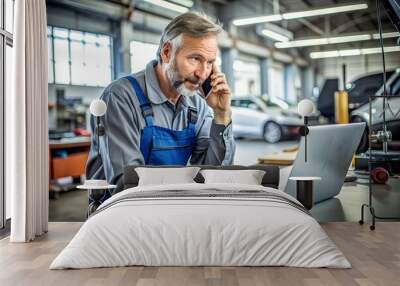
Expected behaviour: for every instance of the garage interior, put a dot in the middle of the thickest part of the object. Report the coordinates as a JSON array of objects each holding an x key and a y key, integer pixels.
[{"x": 316, "y": 57}]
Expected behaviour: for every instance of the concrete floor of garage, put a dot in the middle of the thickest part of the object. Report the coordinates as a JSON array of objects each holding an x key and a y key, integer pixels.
[{"x": 71, "y": 206}]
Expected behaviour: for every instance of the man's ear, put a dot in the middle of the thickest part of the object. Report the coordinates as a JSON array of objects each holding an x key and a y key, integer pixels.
[{"x": 166, "y": 52}]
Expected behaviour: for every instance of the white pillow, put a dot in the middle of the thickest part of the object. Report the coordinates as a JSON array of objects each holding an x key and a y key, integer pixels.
[
  {"x": 166, "y": 176},
  {"x": 247, "y": 177}
]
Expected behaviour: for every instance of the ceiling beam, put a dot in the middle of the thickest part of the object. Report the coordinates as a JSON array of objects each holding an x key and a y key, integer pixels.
[
  {"x": 343, "y": 27},
  {"x": 311, "y": 26},
  {"x": 305, "y": 22}
]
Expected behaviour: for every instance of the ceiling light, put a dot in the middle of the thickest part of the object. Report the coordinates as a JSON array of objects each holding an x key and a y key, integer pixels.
[
  {"x": 186, "y": 3},
  {"x": 274, "y": 32},
  {"x": 256, "y": 20},
  {"x": 378, "y": 50},
  {"x": 386, "y": 35},
  {"x": 347, "y": 39},
  {"x": 329, "y": 54},
  {"x": 333, "y": 40},
  {"x": 168, "y": 5},
  {"x": 300, "y": 14},
  {"x": 352, "y": 52},
  {"x": 324, "y": 11},
  {"x": 274, "y": 35}
]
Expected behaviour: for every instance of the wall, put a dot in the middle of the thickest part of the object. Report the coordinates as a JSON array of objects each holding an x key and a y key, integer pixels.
[{"x": 69, "y": 19}]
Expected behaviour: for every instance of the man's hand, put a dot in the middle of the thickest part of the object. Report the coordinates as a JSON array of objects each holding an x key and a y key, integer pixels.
[{"x": 220, "y": 98}]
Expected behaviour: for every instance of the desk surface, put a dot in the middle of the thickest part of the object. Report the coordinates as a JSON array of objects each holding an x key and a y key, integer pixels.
[
  {"x": 79, "y": 141},
  {"x": 280, "y": 159}
]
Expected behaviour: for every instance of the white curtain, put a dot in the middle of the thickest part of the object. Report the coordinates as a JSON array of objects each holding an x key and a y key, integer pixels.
[{"x": 26, "y": 119}]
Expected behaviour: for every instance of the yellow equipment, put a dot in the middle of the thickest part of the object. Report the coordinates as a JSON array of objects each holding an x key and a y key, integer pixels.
[{"x": 341, "y": 107}]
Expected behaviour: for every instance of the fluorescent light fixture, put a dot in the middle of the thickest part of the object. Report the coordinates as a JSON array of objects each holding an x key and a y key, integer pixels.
[
  {"x": 324, "y": 11},
  {"x": 329, "y": 54},
  {"x": 186, "y": 3},
  {"x": 386, "y": 35},
  {"x": 347, "y": 53},
  {"x": 352, "y": 52},
  {"x": 274, "y": 35},
  {"x": 168, "y": 5},
  {"x": 256, "y": 20},
  {"x": 300, "y": 14},
  {"x": 378, "y": 50},
  {"x": 274, "y": 32},
  {"x": 333, "y": 40},
  {"x": 346, "y": 39}
]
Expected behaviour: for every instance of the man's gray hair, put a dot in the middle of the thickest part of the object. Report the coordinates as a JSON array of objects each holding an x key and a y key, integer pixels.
[{"x": 192, "y": 24}]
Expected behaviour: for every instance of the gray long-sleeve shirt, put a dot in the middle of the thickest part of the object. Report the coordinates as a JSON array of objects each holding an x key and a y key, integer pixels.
[{"x": 123, "y": 122}]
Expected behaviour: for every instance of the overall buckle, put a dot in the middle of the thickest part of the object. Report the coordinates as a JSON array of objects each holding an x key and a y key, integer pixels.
[
  {"x": 192, "y": 115},
  {"x": 146, "y": 110}
]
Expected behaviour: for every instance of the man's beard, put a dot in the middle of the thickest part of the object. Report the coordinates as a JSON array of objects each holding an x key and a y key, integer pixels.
[{"x": 177, "y": 82}]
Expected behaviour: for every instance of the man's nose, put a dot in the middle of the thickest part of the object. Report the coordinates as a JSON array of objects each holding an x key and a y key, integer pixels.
[{"x": 202, "y": 72}]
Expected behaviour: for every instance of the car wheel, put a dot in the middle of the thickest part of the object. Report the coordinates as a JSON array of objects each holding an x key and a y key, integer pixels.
[
  {"x": 272, "y": 132},
  {"x": 363, "y": 146}
]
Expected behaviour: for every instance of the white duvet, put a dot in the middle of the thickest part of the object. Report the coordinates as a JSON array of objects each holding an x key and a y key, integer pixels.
[{"x": 188, "y": 231}]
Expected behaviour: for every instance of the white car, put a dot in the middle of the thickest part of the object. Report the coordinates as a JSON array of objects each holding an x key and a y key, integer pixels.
[{"x": 270, "y": 120}]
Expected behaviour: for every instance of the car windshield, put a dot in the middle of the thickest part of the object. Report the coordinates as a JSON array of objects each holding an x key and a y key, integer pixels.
[
  {"x": 279, "y": 102},
  {"x": 252, "y": 103},
  {"x": 395, "y": 89},
  {"x": 392, "y": 84}
]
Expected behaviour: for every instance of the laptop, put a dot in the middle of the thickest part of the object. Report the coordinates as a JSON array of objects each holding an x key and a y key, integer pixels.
[{"x": 330, "y": 149}]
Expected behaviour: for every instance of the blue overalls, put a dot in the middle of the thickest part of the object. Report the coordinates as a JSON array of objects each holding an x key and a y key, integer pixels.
[{"x": 163, "y": 146}]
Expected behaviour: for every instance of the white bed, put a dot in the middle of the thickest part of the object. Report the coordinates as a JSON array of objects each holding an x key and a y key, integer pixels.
[{"x": 222, "y": 225}]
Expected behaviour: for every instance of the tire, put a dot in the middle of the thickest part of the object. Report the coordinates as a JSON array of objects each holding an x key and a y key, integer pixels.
[
  {"x": 363, "y": 146},
  {"x": 272, "y": 132}
]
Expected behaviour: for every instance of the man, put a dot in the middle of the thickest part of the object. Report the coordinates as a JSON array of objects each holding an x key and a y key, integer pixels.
[{"x": 160, "y": 116}]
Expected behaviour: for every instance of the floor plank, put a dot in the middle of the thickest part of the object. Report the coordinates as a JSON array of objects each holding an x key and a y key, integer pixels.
[{"x": 375, "y": 257}]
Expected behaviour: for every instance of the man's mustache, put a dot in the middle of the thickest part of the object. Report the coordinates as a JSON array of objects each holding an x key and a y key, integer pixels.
[{"x": 193, "y": 80}]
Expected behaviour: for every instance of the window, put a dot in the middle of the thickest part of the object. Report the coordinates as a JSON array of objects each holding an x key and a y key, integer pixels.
[
  {"x": 51, "y": 57},
  {"x": 141, "y": 54},
  {"x": 79, "y": 58},
  {"x": 9, "y": 19},
  {"x": 277, "y": 88},
  {"x": 6, "y": 43},
  {"x": 247, "y": 77}
]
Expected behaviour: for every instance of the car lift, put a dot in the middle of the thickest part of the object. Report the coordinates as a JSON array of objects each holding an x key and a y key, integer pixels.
[{"x": 379, "y": 161}]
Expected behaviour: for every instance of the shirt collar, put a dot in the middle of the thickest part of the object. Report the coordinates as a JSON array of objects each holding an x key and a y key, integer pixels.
[
  {"x": 187, "y": 102},
  {"x": 154, "y": 93}
]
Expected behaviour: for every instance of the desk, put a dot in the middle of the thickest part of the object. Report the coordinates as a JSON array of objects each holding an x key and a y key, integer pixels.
[
  {"x": 73, "y": 163},
  {"x": 279, "y": 159}
]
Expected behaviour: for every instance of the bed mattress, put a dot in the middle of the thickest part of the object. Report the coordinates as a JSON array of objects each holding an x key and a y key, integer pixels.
[{"x": 201, "y": 225}]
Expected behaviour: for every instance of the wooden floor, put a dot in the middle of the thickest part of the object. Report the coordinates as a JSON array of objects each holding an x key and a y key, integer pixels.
[{"x": 374, "y": 255}]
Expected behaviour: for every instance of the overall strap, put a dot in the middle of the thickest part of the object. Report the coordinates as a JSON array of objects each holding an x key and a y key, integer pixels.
[{"x": 145, "y": 104}]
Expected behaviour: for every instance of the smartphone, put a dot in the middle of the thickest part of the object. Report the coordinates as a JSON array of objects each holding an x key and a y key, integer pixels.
[{"x": 206, "y": 86}]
